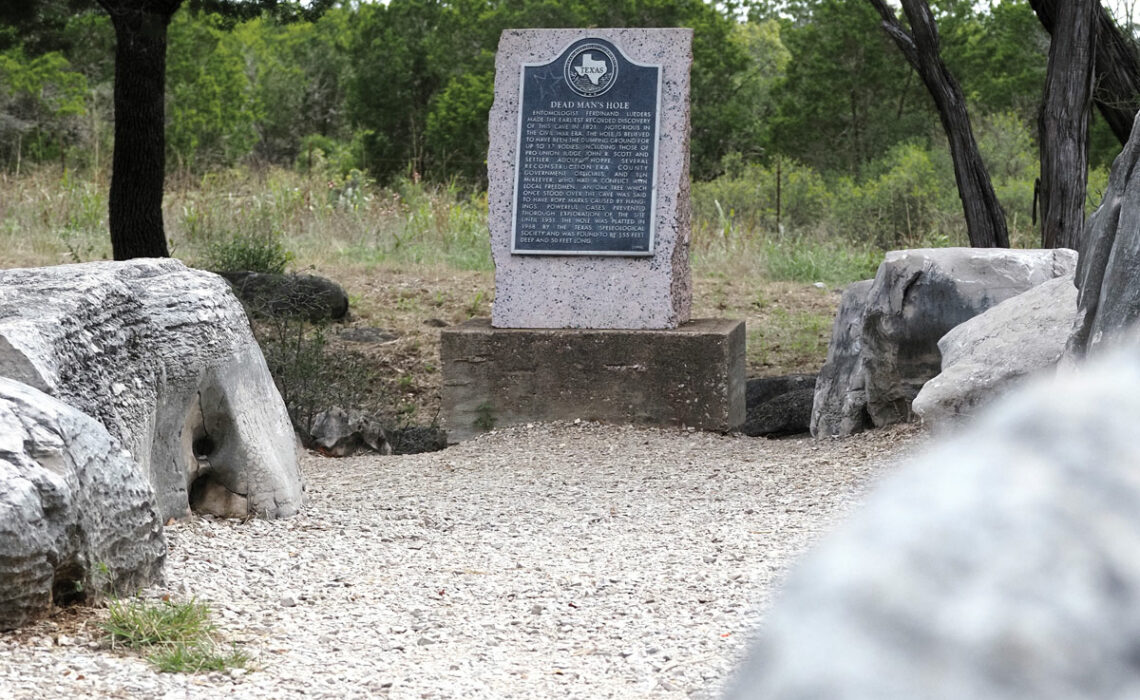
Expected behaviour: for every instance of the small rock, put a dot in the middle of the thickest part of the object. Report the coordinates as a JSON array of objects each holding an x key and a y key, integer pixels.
[{"x": 288, "y": 601}]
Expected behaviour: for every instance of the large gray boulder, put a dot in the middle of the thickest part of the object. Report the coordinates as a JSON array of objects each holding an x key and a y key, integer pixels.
[
  {"x": 840, "y": 403},
  {"x": 987, "y": 355},
  {"x": 919, "y": 295},
  {"x": 76, "y": 514},
  {"x": 1003, "y": 565},
  {"x": 164, "y": 358},
  {"x": 1109, "y": 299},
  {"x": 916, "y": 298}
]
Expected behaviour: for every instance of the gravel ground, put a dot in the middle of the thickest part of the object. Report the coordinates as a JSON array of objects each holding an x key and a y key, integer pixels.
[{"x": 553, "y": 561}]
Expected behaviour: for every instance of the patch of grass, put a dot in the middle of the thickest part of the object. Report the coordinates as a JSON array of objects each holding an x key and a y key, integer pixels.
[
  {"x": 179, "y": 637},
  {"x": 795, "y": 339},
  {"x": 803, "y": 259}
]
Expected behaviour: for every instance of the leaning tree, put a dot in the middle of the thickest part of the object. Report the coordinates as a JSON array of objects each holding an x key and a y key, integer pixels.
[{"x": 985, "y": 220}]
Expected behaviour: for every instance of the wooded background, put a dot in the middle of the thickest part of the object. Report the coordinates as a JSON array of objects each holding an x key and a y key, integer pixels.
[{"x": 804, "y": 112}]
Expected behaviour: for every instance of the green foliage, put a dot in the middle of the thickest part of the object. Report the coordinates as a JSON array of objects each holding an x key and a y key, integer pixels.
[
  {"x": 248, "y": 252},
  {"x": 298, "y": 74},
  {"x": 1000, "y": 55},
  {"x": 329, "y": 157},
  {"x": 41, "y": 97},
  {"x": 400, "y": 64},
  {"x": 484, "y": 417},
  {"x": 180, "y": 637},
  {"x": 457, "y": 126},
  {"x": 804, "y": 259},
  {"x": 212, "y": 110},
  {"x": 745, "y": 197},
  {"x": 848, "y": 95}
]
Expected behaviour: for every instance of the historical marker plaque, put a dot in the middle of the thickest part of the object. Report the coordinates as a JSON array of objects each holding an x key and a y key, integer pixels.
[{"x": 586, "y": 169}]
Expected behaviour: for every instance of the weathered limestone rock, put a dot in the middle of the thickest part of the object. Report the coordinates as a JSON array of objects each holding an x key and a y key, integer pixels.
[
  {"x": 983, "y": 357},
  {"x": 164, "y": 358},
  {"x": 1004, "y": 565},
  {"x": 840, "y": 404},
  {"x": 1109, "y": 298},
  {"x": 919, "y": 295},
  {"x": 340, "y": 433},
  {"x": 76, "y": 514}
]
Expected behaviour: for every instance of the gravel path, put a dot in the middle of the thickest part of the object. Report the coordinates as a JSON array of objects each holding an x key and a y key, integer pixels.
[{"x": 554, "y": 561}]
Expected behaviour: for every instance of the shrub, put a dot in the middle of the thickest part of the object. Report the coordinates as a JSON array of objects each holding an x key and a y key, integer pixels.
[{"x": 252, "y": 252}]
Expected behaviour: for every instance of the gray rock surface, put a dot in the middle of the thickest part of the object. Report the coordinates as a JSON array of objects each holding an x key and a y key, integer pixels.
[
  {"x": 76, "y": 514},
  {"x": 340, "y": 433},
  {"x": 164, "y": 358},
  {"x": 1005, "y": 564},
  {"x": 1110, "y": 257},
  {"x": 985, "y": 356},
  {"x": 919, "y": 295},
  {"x": 840, "y": 403},
  {"x": 309, "y": 297},
  {"x": 884, "y": 346},
  {"x": 777, "y": 406}
]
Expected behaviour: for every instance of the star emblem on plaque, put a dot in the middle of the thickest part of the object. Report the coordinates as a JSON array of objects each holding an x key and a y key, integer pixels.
[{"x": 591, "y": 70}]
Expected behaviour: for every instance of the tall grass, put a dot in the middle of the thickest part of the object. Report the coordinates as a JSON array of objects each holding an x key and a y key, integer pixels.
[
  {"x": 779, "y": 221},
  {"x": 49, "y": 217}
]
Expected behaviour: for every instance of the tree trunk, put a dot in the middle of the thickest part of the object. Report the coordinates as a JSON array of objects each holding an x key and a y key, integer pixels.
[
  {"x": 985, "y": 220},
  {"x": 139, "y": 158},
  {"x": 1117, "y": 91},
  {"x": 1064, "y": 124}
]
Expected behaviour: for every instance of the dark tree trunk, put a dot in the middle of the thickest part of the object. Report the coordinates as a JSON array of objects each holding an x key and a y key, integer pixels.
[
  {"x": 1117, "y": 91},
  {"x": 1064, "y": 124},
  {"x": 985, "y": 220},
  {"x": 139, "y": 160}
]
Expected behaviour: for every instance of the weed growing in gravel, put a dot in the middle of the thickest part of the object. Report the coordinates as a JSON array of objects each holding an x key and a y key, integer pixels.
[{"x": 180, "y": 637}]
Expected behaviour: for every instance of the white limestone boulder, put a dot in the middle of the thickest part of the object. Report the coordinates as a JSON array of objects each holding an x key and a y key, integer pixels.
[
  {"x": 916, "y": 298},
  {"x": 163, "y": 356},
  {"x": 76, "y": 514},
  {"x": 1003, "y": 565},
  {"x": 919, "y": 295},
  {"x": 989, "y": 354}
]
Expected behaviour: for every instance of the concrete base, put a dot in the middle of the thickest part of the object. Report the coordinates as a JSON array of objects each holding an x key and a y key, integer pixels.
[{"x": 692, "y": 375}]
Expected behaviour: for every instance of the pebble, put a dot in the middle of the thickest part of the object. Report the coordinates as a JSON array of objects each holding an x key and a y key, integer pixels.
[{"x": 548, "y": 561}]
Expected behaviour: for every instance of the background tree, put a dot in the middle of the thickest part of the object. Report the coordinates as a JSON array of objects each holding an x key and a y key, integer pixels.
[
  {"x": 139, "y": 161},
  {"x": 1117, "y": 66},
  {"x": 1064, "y": 124},
  {"x": 844, "y": 99},
  {"x": 985, "y": 220}
]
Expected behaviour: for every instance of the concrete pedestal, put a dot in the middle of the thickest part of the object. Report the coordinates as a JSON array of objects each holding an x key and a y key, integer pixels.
[{"x": 693, "y": 375}]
